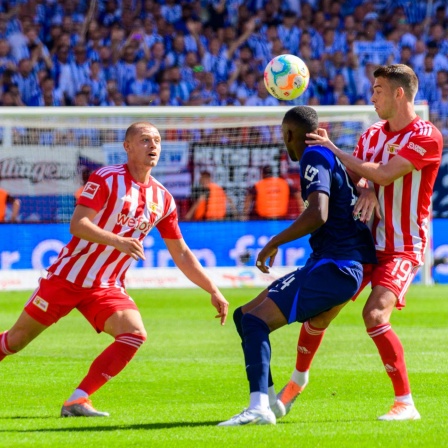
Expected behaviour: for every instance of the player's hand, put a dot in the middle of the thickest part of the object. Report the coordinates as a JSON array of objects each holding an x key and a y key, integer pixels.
[
  {"x": 320, "y": 137},
  {"x": 366, "y": 205},
  {"x": 268, "y": 252},
  {"x": 131, "y": 246},
  {"x": 221, "y": 305}
]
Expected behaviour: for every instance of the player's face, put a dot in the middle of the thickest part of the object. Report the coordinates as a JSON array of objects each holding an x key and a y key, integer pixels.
[
  {"x": 383, "y": 98},
  {"x": 287, "y": 138},
  {"x": 144, "y": 147}
]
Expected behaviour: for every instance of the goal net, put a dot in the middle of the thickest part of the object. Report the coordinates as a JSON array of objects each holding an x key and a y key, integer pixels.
[{"x": 46, "y": 153}]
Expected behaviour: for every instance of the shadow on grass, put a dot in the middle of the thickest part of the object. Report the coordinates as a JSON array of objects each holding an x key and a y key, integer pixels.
[{"x": 103, "y": 428}]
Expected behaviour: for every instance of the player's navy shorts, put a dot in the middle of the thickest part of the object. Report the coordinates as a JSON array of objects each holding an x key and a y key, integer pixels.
[{"x": 318, "y": 286}]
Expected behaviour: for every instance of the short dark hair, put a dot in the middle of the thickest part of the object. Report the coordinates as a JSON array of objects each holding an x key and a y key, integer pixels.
[
  {"x": 399, "y": 75},
  {"x": 303, "y": 116},
  {"x": 135, "y": 127}
]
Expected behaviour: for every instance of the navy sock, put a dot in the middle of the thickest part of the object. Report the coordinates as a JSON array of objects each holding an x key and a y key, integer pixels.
[
  {"x": 257, "y": 352},
  {"x": 237, "y": 318}
]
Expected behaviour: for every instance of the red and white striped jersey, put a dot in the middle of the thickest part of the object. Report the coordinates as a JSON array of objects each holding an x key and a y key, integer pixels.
[
  {"x": 405, "y": 204},
  {"x": 125, "y": 207}
]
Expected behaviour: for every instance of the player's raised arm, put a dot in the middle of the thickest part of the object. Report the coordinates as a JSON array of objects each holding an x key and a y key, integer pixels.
[{"x": 186, "y": 261}]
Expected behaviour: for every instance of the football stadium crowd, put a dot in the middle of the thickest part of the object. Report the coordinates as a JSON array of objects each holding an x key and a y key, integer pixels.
[{"x": 213, "y": 52}]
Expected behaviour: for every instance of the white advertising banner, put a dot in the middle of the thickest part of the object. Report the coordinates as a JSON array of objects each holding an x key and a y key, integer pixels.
[{"x": 229, "y": 277}]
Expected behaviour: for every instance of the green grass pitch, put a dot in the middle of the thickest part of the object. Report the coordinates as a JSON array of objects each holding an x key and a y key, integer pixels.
[{"x": 190, "y": 375}]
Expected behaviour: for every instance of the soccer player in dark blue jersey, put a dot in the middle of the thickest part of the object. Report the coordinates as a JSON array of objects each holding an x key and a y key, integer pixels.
[{"x": 331, "y": 276}]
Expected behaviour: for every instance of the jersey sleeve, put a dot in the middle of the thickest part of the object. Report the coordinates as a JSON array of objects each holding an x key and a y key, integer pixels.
[
  {"x": 168, "y": 227},
  {"x": 315, "y": 169},
  {"x": 421, "y": 150},
  {"x": 95, "y": 193}
]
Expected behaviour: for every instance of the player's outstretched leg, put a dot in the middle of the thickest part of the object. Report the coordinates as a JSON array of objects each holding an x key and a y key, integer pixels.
[
  {"x": 5, "y": 350},
  {"x": 257, "y": 354},
  {"x": 392, "y": 354},
  {"x": 309, "y": 341},
  {"x": 274, "y": 402},
  {"x": 107, "y": 365}
]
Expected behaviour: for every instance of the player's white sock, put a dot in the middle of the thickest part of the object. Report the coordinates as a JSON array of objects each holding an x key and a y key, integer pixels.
[
  {"x": 259, "y": 401},
  {"x": 272, "y": 395},
  {"x": 405, "y": 399},
  {"x": 300, "y": 378},
  {"x": 78, "y": 393}
]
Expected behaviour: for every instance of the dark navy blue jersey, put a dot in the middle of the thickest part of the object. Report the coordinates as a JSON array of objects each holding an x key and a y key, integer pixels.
[{"x": 342, "y": 237}]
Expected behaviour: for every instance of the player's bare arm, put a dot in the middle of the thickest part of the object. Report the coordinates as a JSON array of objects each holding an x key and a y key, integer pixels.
[
  {"x": 186, "y": 261},
  {"x": 375, "y": 172},
  {"x": 313, "y": 217},
  {"x": 82, "y": 226}
]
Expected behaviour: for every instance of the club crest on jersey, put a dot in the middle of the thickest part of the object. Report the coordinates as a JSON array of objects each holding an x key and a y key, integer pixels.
[
  {"x": 40, "y": 303},
  {"x": 134, "y": 223},
  {"x": 155, "y": 208},
  {"x": 90, "y": 190},
  {"x": 392, "y": 148}
]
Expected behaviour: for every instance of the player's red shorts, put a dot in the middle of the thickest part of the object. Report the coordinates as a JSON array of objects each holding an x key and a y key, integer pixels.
[
  {"x": 393, "y": 271},
  {"x": 55, "y": 297}
]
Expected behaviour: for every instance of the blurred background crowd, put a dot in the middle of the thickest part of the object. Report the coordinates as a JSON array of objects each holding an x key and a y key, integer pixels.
[{"x": 213, "y": 52}]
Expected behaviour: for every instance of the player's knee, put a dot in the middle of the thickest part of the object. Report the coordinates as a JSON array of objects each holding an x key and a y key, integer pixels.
[
  {"x": 141, "y": 333},
  {"x": 253, "y": 324},
  {"x": 237, "y": 318},
  {"x": 373, "y": 317}
]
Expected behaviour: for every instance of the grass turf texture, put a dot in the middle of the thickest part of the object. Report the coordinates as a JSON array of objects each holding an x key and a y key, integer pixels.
[{"x": 190, "y": 375}]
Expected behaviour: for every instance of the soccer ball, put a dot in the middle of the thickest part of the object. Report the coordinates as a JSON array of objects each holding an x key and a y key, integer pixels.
[{"x": 286, "y": 77}]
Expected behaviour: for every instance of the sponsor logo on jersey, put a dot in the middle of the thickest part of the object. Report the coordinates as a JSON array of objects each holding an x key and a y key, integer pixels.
[
  {"x": 90, "y": 190},
  {"x": 311, "y": 172},
  {"x": 392, "y": 148},
  {"x": 40, "y": 303},
  {"x": 134, "y": 223},
  {"x": 417, "y": 148}
]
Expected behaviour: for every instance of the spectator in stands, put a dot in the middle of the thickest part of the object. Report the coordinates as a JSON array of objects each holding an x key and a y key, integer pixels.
[
  {"x": 238, "y": 37},
  {"x": 79, "y": 67},
  {"x": 440, "y": 107},
  {"x": 288, "y": 32},
  {"x": 222, "y": 97},
  {"x": 176, "y": 56},
  {"x": 179, "y": 89},
  {"x": 8, "y": 201},
  {"x": 269, "y": 197},
  {"x": 262, "y": 97},
  {"x": 140, "y": 91},
  {"x": 164, "y": 97},
  {"x": 210, "y": 201},
  {"x": 26, "y": 80},
  {"x": 50, "y": 95},
  {"x": 6, "y": 60},
  {"x": 247, "y": 86},
  {"x": 156, "y": 63}
]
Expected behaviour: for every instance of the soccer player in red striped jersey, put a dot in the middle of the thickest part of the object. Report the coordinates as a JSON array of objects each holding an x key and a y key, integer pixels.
[
  {"x": 400, "y": 157},
  {"x": 118, "y": 207}
]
